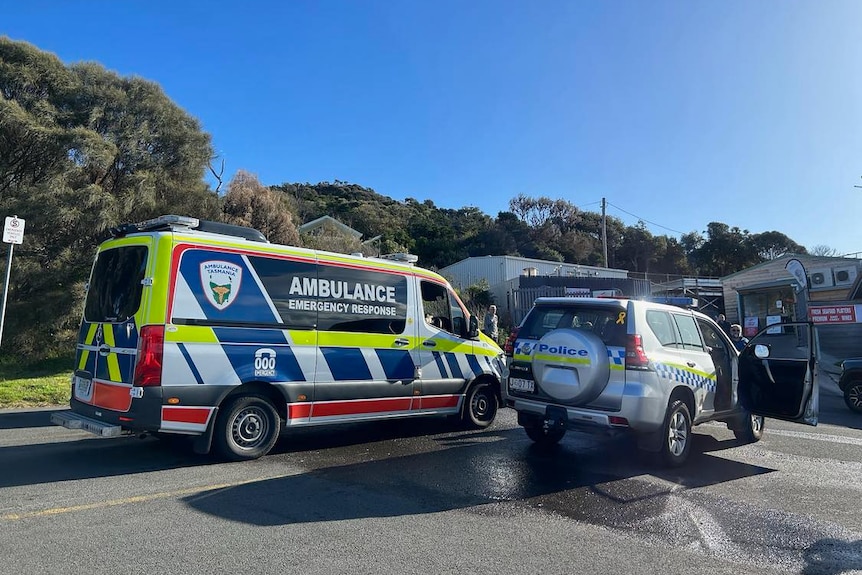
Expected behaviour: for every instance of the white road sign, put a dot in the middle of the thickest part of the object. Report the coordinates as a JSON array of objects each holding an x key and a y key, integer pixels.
[{"x": 13, "y": 231}]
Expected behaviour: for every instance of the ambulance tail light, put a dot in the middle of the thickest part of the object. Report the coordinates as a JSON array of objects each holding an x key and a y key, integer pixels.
[
  {"x": 151, "y": 344},
  {"x": 636, "y": 357},
  {"x": 509, "y": 346}
]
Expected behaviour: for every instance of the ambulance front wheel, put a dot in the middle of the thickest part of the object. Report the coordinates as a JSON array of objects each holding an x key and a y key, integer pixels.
[
  {"x": 246, "y": 428},
  {"x": 482, "y": 404}
]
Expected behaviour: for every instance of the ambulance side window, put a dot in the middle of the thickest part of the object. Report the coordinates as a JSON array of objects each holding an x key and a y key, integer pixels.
[
  {"x": 441, "y": 309},
  {"x": 331, "y": 297},
  {"x": 364, "y": 301}
]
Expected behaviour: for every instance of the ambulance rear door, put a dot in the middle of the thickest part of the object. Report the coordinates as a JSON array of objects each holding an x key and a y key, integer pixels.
[{"x": 117, "y": 297}]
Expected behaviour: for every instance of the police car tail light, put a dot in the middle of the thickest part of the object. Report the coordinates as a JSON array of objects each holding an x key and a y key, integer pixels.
[
  {"x": 636, "y": 357},
  {"x": 151, "y": 343},
  {"x": 509, "y": 346}
]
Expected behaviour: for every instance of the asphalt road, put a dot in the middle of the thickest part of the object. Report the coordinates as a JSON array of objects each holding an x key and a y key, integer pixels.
[{"x": 426, "y": 497}]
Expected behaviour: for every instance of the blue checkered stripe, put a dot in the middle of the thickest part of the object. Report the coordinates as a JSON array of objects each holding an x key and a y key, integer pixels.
[
  {"x": 617, "y": 356},
  {"x": 685, "y": 376}
]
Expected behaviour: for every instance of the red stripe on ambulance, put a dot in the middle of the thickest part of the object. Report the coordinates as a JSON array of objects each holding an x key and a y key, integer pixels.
[
  {"x": 298, "y": 410},
  {"x": 198, "y": 415},
  {"x": 438, "y": 402},
  {"x": 357, "y": 407}
]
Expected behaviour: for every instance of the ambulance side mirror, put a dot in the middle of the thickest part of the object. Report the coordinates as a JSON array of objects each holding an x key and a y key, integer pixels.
[{"x": 473, "y": 331}]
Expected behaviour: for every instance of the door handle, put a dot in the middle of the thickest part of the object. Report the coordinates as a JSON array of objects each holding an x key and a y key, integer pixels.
[
  {"x": 401, "y": 342},
  {"x": 690, "y": 363},
  {"x": 429, "y": 343}
]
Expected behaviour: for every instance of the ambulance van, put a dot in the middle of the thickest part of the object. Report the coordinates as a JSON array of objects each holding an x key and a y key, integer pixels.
[{"x": 206, "y": 329}]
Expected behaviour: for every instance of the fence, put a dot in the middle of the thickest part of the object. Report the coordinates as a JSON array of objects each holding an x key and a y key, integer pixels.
[{"x": 523, "y": 298}]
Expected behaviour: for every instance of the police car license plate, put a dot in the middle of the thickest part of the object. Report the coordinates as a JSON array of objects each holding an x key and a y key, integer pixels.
[
  {"x": 83, "y": 386},
  {"x": 518, "y": 384}
]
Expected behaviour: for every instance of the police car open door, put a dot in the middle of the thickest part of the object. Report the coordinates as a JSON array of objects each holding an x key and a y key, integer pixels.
[{"x": 778, "y": 373}]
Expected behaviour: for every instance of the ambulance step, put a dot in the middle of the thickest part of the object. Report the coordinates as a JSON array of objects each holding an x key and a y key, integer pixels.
[{"x": 71, "y": 420}]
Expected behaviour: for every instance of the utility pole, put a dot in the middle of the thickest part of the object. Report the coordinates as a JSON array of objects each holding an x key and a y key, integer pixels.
[{"x": 604, "y": 234}]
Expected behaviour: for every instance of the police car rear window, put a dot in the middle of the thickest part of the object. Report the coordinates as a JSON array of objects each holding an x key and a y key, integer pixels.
[
  {"x": 115, "y": 286},
  {"x": 603, "y": 322}
]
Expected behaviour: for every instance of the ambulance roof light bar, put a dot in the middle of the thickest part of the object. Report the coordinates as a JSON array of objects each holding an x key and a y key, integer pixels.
[
  {"x": 173, "y": 222},
  {"x": 401, "y": 257}
]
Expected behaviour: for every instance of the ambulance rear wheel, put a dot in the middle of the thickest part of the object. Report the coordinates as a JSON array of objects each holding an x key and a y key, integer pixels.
[
  {"x": 246, "y": 428},
  {"x": 481, "y": 407}
]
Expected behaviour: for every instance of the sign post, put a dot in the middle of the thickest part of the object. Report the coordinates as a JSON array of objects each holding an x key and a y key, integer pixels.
[{"x": 13, "y": 233}]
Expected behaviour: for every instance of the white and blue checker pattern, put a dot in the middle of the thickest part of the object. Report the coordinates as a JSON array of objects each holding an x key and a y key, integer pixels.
[
  {"x": 685, "y": 376},
  {"x": 617, "y": 356}
]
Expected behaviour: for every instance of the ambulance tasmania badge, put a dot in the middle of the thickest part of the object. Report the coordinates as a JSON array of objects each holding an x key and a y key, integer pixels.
[{"x": 221, "y": 282}]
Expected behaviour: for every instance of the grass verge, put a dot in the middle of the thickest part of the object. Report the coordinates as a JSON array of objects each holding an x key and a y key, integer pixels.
[{"x": 35, "y": 385}]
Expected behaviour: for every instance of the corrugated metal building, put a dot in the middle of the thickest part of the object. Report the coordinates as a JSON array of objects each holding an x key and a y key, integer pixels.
[{"x": 503, "y": 274}]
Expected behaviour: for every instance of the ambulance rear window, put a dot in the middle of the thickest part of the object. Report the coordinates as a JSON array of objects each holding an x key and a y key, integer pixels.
[{"x": 115, "y": 286}]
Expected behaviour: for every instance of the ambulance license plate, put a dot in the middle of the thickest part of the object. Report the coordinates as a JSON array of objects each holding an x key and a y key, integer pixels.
[
  {"x": 83, "y": 386},
  {"x": 518, "y": 384}
]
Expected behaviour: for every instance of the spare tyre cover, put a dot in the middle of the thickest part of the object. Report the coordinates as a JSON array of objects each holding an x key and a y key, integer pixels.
[{"x": 571, "y": 365}]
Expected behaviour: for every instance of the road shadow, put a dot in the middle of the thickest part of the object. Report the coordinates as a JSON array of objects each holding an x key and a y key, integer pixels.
[
  {"x": 22, "y": 419},
  {"x": 832, "y": 557},
  {"x": 479, "y": 461},
  {"x": 599, "y": 481},
  {"x": 91, "y": 457}
]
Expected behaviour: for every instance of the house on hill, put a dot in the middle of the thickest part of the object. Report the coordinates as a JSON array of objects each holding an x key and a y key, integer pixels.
[
  {"x": 326, "y": 225},
  {"x": 330, "y": 234}
]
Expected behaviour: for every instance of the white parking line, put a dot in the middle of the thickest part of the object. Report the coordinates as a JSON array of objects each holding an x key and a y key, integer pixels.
[{"x": 816, "y": 436}]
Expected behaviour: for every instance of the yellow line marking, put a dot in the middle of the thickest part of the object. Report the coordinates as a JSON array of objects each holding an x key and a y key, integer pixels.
[{"x": 136, "y": 499}]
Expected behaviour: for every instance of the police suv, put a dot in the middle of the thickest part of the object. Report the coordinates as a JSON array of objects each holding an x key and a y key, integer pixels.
[
  {"x": 617, "y": 365},
  {"x": 208, "y": 330}
]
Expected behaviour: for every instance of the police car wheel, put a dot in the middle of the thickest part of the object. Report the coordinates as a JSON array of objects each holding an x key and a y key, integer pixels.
[
  {"x": 750, "y": 428},
  {"x": 481, "y": 407},
  {"x": 247, "y": 428},
  {"x": 676, "y": 434},
  {"x": 545, "y": 437},
  {"x": 853, "y": 396}
]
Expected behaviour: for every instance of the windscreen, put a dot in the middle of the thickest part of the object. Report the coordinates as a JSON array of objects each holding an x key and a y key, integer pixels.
[{"x": 115, "y": 285}]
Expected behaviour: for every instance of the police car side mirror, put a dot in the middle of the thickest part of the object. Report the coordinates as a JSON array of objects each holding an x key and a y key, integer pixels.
[
  {"x": 473, "y": 331},
  {"x": 761, "y": 351}
]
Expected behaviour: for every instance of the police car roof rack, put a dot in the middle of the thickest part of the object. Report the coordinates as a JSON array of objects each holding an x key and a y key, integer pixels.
[{"x": 171, "y": 222}]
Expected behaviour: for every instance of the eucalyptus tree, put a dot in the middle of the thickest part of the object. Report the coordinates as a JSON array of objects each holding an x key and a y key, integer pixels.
[
  {"x": 83, "y": 149},
  {"x": 247, "y": 202}
]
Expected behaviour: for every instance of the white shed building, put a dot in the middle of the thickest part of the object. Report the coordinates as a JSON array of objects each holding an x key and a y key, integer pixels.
[{"x": 502, "y": 273}]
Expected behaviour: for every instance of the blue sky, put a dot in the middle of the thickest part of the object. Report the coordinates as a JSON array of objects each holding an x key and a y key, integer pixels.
[{"x": 678, "y": 112}]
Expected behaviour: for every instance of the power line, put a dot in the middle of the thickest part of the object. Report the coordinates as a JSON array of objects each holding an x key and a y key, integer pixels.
[{"x": 647, "y": 221}]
